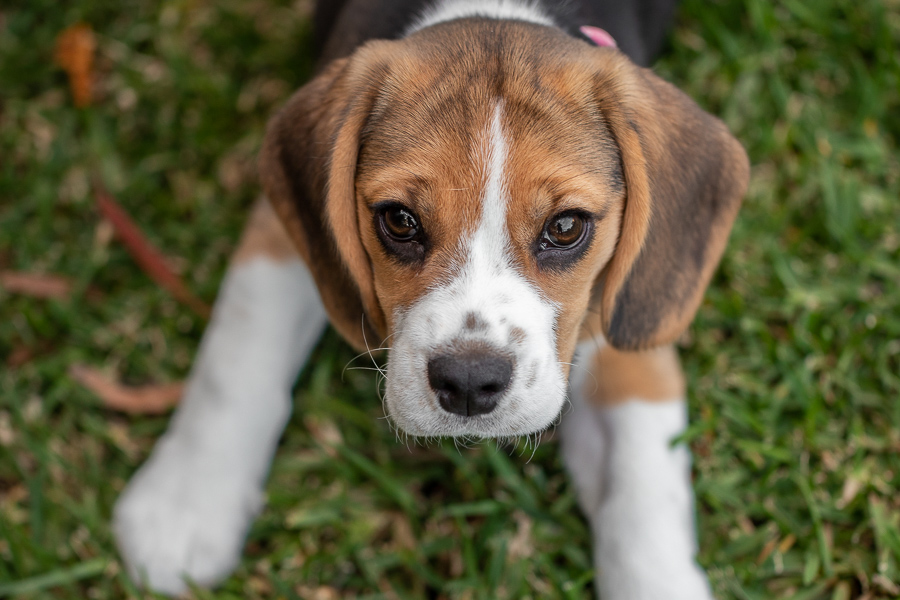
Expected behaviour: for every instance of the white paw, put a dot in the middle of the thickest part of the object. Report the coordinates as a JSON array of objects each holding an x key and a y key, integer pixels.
[
  {"x": 582, "y": 444},
  {"x": 638, "y": 567},
  {"x": 180, "y": 519}
]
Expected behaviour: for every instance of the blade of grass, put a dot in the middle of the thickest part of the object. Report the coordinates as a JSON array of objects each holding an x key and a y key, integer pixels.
[
  {"x": 390, "y": 486},
  {"x": 816, "y": 514},
  {"x": 85, "y": 570}
]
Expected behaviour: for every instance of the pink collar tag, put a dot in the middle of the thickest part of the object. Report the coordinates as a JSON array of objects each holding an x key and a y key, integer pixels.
[{"x": 598, "y": 36}]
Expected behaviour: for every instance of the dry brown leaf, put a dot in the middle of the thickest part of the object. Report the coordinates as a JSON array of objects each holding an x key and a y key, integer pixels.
[
  {"x": 522, "y": 544},
  {"x": 852, "y": 485},
  {"x": 137, "y": 400},
  {"x": 886, "y": 584},
  {"x": 35, "y": 285},
  {"x": 21, "y": 355},
  {"x": 325, "y": 432},
  {"x": 7, "y": 433},
  {"x": 767, "y": 551},
  {"x": 787, "y": 543},
  {"x": 120, "y": 435},
  {"x": 74, "y": 52},
  {"x": 402, "y": 533},
  {"x": 324, "y": 592}
]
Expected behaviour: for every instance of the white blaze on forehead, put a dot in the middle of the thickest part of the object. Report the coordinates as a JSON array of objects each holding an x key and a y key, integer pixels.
[
  {"x": 441, "y": 11},
  {"x": 489, "y": 285},
  {"x": 490, "y": 244},
  {"x": 511, "y": 316}
]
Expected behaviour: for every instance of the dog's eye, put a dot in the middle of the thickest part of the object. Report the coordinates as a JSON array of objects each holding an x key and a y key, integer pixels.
[
  {"x": 565, "y": 240},
  {"x": 400, "y": 232},
  {"x": 563, "y": 231},
  {"x": 400, "y": 224}
]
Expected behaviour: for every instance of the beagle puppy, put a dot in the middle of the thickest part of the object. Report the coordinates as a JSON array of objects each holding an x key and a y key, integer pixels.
[{"x": 497, "y": 197}]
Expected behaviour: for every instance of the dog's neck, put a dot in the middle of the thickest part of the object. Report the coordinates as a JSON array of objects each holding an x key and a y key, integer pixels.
[{"x": 441, "y": 11}]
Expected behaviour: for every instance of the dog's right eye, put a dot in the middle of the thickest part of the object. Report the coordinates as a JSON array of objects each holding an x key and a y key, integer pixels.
[
  {"x": 400, "y": 224},
  {"x": 400, "y": 232}
]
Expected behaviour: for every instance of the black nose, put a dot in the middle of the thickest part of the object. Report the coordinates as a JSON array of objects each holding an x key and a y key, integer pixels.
[{"x": 469, "y": 383}]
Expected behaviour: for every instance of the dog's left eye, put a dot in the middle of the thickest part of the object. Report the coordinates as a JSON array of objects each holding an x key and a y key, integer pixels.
[
  {"x": 563, "y": 231},
  {"x": 401, "y": 233}
]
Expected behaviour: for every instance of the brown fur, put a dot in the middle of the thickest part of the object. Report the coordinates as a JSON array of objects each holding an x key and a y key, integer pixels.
[
  {"x": 686, "y": 176},
  {"x": 404, "y": 121},
  {"x": 650, "y": 375},
  {"x": 264, "y": 235},
  {"x": 307, "y": 167}
]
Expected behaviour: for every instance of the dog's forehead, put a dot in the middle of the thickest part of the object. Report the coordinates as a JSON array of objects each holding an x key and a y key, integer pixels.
[{"x": 428, "y": 126}]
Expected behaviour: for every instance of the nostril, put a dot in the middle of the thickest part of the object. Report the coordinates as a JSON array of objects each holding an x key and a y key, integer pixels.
[
  {"x": 443, "y": 384},
  {"x": 469, "y": 383}
]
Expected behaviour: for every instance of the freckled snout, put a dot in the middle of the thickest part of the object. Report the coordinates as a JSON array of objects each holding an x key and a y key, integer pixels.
[{"x": 469, "y": 383}]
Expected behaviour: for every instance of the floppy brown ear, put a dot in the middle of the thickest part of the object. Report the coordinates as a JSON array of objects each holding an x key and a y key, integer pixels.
[
  {"x": 685, "y": 176},
  {"x": 308, "y": 170}
]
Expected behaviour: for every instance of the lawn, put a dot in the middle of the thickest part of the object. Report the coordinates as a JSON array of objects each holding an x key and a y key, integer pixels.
[{"x": 793, "y": 360}]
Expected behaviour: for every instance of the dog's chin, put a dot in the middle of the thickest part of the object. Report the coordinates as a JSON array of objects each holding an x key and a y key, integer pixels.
[{"x": 414, "y": 420}]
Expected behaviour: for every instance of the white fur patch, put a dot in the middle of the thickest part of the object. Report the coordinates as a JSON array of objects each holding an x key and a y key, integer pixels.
[
  {"x": 581, "y": 440},
  {"x": 449, "y": 10},
  {"x": 489, "y": 288},
  {"x": 186, "y": 511},
  {"x": 635, "y": 489}
]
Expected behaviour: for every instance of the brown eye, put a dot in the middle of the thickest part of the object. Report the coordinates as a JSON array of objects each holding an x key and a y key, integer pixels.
[
  {"x": 400, "y": 224},
  {"x": 563, "y": 231}
]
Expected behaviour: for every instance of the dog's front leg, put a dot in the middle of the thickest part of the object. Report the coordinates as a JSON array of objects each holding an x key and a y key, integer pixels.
[
  {"x": 187, "y": 510},
  {"x": 633, "y": 485}
]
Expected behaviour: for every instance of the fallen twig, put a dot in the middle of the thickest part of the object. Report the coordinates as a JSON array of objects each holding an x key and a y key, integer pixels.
[
  {"x": 36, "y": 285},
  {"x": 144, "y": 253},
  {"x": 140, "y": 400}
]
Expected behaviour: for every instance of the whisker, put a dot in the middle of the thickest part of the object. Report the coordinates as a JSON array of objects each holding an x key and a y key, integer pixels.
[
  {"x": 381, "y": 371},
  {"x": 376, "y": 369},
  {"x": 586, "y": 370},
  {"x": 361, "y": 354},
  {"x": 538, "y": 437}
]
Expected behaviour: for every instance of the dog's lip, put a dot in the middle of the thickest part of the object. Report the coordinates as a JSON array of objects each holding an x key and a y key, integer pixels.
[
  {"x": 491, "y": 425},
  {"x": 485, "y": 433}
]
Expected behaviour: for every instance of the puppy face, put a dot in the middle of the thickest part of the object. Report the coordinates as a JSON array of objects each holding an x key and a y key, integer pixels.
[
  {"x": 488, "y": 212},
  {"x": 472, "y": 193}
]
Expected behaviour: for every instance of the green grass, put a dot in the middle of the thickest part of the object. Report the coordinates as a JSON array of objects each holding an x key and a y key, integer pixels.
[{"x": 793, "y": 359}]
